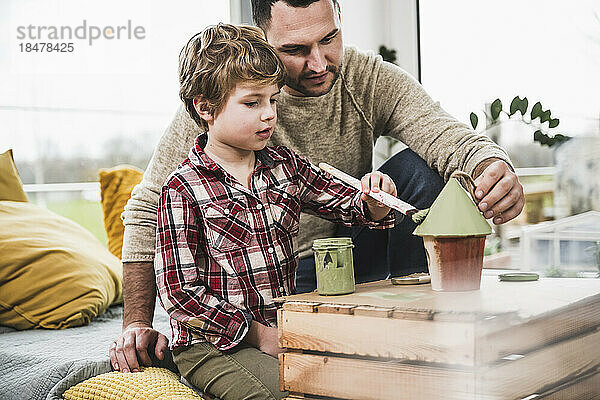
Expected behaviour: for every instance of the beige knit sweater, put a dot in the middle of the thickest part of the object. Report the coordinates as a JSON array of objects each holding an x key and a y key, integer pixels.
[{"x": 370, "y": 99}]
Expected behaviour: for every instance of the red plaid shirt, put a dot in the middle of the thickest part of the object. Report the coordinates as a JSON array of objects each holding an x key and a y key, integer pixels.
[{"x": 223, "y": 252}]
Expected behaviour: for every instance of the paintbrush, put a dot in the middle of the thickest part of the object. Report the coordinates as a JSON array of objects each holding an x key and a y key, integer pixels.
[{"x": 387, "y": 199}]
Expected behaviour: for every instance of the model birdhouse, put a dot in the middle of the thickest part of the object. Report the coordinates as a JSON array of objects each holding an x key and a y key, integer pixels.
[{"x": 454, "y": 234}]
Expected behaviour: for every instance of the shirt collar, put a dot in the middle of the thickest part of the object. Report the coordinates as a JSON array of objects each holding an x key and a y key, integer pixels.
[{"x": 266, "y": 158}]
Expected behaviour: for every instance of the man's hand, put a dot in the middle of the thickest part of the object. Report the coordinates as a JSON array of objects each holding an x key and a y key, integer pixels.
[
  {"x": 263, "y": 338},
  {"x": 131, "y": 347},
  {"x": 376, "y": 181},
  {"x": 498, "y": 191},
  {"x": 138, "y": 339}
]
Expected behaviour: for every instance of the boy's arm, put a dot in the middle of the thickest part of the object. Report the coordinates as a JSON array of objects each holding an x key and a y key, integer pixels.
[
  {"x": 328, "y": 198},
  {"x": 179, "y": 264}
]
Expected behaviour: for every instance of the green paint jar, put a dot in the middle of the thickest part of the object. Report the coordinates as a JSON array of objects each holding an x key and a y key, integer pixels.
[{"x": 335, "y": 266}]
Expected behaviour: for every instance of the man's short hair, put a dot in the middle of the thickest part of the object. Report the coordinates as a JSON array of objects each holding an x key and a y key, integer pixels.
[
  {"x": 218, "y": 58},
  {"x": 261, "y": 10}
]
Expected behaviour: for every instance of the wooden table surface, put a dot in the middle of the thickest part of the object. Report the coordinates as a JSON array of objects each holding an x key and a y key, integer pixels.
[{"x": 525, "y": 299}]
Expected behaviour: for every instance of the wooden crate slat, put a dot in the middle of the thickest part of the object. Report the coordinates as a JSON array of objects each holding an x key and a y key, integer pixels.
[
  {"x": 444, "y": 342},
  {"x": 581, "y": 317},
  {"x": 335, "y": 309},
  {"x": 584, "y": 389},
  {"x": 542, "y": 369},
  {"x": 303, "y": 306},
  {"x": 378, "y": 312},
  {"x": 413, "y": 314},
  {"x": 357, "y": 379}
]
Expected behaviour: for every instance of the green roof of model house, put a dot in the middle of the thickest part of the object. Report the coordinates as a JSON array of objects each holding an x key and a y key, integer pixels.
[{"x": 453, "y": 213}]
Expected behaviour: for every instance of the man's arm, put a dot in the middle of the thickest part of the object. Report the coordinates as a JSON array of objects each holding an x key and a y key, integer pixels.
[
  {"x": 139, "y": 297},
  {"x": 402, "y": 109},
  {"x": 133, "y": 345}
]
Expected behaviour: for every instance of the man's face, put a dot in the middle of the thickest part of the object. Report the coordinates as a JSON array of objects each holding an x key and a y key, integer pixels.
[{"x": 309, "y": 42}]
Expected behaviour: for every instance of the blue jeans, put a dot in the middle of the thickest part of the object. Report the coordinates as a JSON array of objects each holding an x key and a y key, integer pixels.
[{"x": 378, "y": 253}]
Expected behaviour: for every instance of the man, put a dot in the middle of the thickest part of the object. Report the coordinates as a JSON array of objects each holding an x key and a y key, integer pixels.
[{"x": 335, "y": 103}]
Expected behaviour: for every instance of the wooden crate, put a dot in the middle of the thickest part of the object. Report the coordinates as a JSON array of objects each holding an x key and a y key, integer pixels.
[{"x": 509, "y": 340}]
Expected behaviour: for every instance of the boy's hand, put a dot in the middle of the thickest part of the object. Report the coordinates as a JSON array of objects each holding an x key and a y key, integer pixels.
[
  {"x": 376, "y": 181},
  {"x": 268, "y": 342},
  {"x": 263, "y": 338}
]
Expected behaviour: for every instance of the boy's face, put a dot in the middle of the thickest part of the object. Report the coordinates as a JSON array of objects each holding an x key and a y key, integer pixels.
[{"x": 247, "y": 119}]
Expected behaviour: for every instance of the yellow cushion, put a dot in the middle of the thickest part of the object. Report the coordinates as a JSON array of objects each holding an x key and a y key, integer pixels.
[
  {"x": 53, "y": 273},
  {"x": 116, "y": 185},
  {"x": 151, "y": 383},
  {"x": 11, "y": 187}
]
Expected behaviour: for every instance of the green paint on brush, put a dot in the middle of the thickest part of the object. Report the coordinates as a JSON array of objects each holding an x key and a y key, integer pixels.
[{"x": 419, "y": 216}]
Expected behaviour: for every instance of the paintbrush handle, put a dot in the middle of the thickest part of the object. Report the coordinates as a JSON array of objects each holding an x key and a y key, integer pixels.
[{"x": 381, "y": 196}]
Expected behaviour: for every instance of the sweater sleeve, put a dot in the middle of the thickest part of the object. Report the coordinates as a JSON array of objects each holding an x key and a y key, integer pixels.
[
  {"x": 403, "y": 110},
  {"x": 139, "y": 217}
]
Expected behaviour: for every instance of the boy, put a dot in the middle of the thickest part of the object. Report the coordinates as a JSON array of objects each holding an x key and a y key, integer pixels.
[{"x": 228, "y": 217}]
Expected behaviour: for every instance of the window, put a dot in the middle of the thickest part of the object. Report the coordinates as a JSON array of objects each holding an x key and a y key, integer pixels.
[
  {"x": 104, "y": 102},
  {"x": 473, "y": 52},
  {"x": 100, "y": 95}
]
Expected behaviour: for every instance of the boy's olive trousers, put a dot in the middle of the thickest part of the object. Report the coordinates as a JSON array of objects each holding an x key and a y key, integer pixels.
[{"x": 243, "y": 372}]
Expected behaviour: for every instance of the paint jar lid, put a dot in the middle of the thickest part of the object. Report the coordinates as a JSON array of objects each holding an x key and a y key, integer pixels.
[
  {"x": 336, "y": 243},
  {"x": 519, "y": 277}
]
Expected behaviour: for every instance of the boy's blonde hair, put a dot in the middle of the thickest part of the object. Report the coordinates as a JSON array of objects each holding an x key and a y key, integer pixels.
[{"x": 218, "y": 58}]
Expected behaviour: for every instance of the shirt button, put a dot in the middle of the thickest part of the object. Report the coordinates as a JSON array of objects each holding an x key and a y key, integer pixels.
[
  {"x": 226, "y": 211},
  {"x": 281, "y": 290},
  {"x": 285, "y": 196},
  {"x": 270, "y": 250},
  {"x": 259, "y": 206}
]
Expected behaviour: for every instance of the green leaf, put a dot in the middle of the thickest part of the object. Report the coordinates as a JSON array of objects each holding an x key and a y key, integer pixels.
[
  {"x": 519, "y": 104},
  {"x": 495, "y": 109},
  {"x": 558, "y": 138},
  {"x": 553, "y": 122},
  {"x": 536, "y": 111},
  {"x": 545, "y": 116},
  {"x": 541, "y": 137},
  {"x": 474, "y": 120},
  {"x": 524, "y": 105},
  {"x": 515, "y": 105},
  {"x": 388, "y": 55}
]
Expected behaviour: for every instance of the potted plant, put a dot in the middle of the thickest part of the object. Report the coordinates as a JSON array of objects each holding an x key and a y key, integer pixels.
[{"x": 538, "y": 118}]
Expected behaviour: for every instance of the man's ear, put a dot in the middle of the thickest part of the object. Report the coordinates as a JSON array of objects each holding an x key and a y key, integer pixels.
[
  {"x": 339, "y": 11},
  {"x": 203, "y": 109}
]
